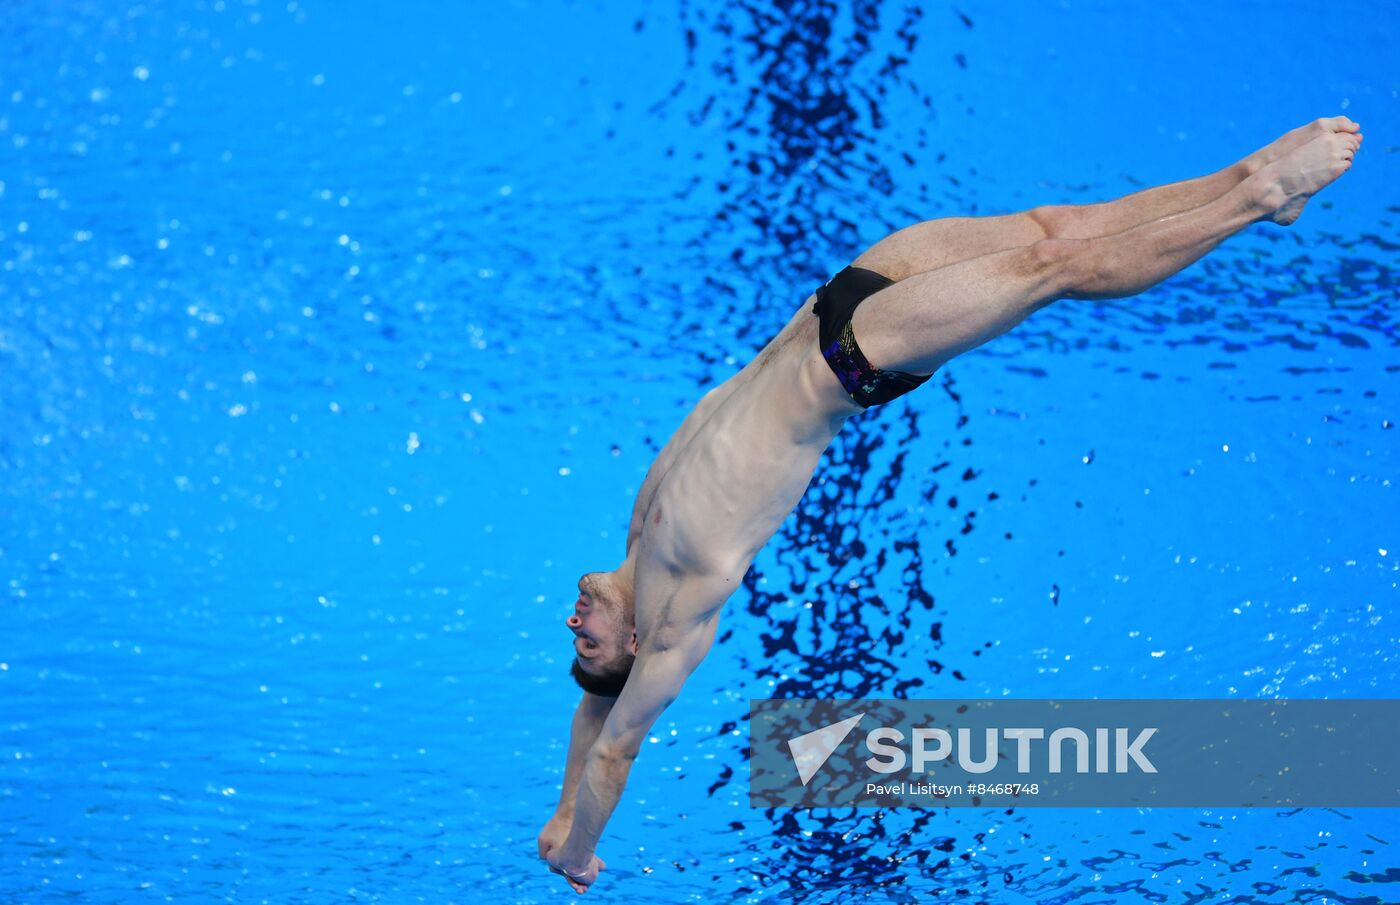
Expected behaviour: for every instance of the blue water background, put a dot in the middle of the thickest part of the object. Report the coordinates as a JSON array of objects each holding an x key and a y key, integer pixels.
[{"x": 336, "y": 339}]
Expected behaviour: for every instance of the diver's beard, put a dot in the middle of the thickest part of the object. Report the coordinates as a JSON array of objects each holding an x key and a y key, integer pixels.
[
  {"x": 626, "y": 624},
  {"x": 628, "y": 601},
  {"x": 628, "y": 612}
]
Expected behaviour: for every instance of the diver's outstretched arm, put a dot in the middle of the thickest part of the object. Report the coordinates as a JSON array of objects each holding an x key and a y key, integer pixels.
[{"x": 589, "y": 716}]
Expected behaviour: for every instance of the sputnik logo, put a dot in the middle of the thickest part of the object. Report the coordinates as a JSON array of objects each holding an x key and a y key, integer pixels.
[{"x": 812, "y": 750}]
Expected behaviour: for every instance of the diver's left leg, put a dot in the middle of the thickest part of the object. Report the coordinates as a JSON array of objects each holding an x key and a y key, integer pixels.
[
  {"x": 918, "y": 324},
  {"x": 1087, "y": 221},
  {"x": 937, "y": 243}
]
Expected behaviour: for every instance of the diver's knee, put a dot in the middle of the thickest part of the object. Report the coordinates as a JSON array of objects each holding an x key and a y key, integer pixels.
[{"x": 1060, "y": 265}]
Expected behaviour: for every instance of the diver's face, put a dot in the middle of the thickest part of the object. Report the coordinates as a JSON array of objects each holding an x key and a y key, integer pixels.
[{"x": 599, "y": 622}]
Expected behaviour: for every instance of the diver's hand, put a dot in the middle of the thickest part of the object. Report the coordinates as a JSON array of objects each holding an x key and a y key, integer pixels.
[
  {"x": 580, "y": 880},
  {"x": 553, "y": 835}
]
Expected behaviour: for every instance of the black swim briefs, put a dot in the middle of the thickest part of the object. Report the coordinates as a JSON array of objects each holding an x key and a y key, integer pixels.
[{"x": 836, "y": 304}]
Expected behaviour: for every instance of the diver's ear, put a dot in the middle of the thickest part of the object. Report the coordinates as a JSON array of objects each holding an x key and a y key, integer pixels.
[{"x": 632, "y": 645}]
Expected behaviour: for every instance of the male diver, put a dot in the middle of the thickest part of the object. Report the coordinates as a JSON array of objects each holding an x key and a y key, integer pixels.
[{"x": 741, "y": 460}]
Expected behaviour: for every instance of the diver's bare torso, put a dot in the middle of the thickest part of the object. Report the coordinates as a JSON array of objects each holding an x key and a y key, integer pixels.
[{"x": 738, "y": 466}]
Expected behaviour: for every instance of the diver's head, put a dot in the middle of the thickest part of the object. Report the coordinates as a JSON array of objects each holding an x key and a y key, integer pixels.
[{"x": 605, "y": 633}]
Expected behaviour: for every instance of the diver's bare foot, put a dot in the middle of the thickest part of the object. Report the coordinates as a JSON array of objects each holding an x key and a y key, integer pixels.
[
  {"x": 1284, "y": 186},
  {"x": 1292, "y": 140}
]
